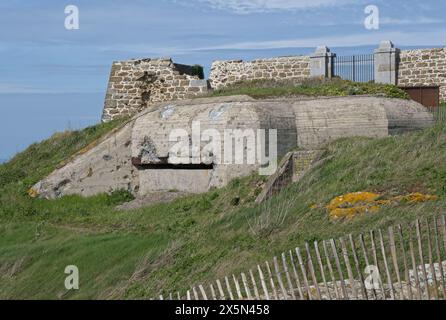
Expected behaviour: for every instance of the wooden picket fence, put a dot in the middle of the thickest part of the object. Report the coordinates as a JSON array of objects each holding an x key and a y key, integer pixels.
[{"x": 402, "y": 262}]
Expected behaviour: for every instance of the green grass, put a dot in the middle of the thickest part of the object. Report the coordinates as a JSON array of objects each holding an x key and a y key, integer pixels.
[
  {"x": 39, "y": 159},
  {"x": 312, "y": 87},
  {"x": 144, "y": 252}
]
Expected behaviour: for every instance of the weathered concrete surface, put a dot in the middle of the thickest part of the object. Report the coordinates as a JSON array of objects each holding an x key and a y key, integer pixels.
[
  {"x": 103, "y": 168},
  {"x": 324, "y": 120},
  {"x": 151, "y": 135},
  {"x": 168, "y": 180},
  {"x": 307, "y": 123},
  {"x": 404, "y": 116}
]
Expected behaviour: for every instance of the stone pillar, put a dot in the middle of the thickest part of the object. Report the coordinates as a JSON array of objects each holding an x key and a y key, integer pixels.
[
  {"x": 321, "y": 63},
  {"x": 386, "y": 63}
]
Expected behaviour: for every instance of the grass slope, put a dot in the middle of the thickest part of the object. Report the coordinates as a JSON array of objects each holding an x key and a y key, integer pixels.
[
  {"x": 140, "y": 253},
  {"x": 39, "y": 159},
  {"x": 169, "y": 247}
]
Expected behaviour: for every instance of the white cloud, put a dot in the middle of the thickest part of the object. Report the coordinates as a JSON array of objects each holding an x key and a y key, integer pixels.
[
  {"x": 432, "y": 38},
  {"x": 256, "y": 6},
  {"x": 413, "y": 21},
  {"x": 435, "y": 38}
]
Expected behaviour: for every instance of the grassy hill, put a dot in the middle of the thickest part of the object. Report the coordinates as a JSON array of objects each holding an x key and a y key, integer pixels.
[
  {"x": 143, "y": 252},
  {"x": 260, "y": 89}
]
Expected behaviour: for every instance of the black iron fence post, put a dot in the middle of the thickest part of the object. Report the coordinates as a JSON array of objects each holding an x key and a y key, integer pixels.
[{"x": 355, "y": 68}]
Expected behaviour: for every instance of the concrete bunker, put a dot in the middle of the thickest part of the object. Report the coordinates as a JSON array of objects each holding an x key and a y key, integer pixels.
[
  {"x": 235, "y": 125},
  {"x": 138, "y": 157}
]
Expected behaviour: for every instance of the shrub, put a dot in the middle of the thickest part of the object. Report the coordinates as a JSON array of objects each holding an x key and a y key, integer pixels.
[{"x": 198, "y": 71}]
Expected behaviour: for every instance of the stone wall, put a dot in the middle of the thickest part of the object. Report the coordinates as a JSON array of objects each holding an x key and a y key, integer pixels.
[
  {"x": 135, "y": 84},
  {"x": 224, "y": 73},
  {"x": 423, "y": 68}
]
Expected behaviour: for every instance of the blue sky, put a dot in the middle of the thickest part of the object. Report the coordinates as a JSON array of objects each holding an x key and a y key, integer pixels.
[{"x": 53, "y": 79}]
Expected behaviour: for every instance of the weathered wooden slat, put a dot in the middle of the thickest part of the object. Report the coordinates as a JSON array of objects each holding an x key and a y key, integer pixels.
[
  {"x": 395, "y": 261},
  {"x": 402, "y": 254},
  {"x": 386, "y": 266},
  {"x": 438, "y": 256},
  {"x": 430, "y": 231},
  {"x": 273, "y": 286},
  {"x": 431, "y": 262},
  {"x": 195, "y": 293},
  {"x": 421, "y": 255},
  {"x": 246, "y": 286},
  {"x": 228, "y": 287},
  {"x": 414, "y": 268},
  {"x": 366, "y": 260},
  {"x": 237, "y": 287},
  {"x": 263, "y": 283},
  {"x": 349, "y": 268},
  {"x": 304, "y": 273},
  {"x": 254, "y": 285},
  {"x": 203, "y": 293},
  {"x": 443, "y": 221},
  {"x": 330, "y": 269},
  {"x": 338, "y": 266},
  {"x": 296, "y": 276},
  {"x": 279, "y": 279},
  {"x": 288, "y": 278},
  {"x": 375, "y": 261},
  {"x": 220, "y": 290},
  {"x": 214, "y": 296},
  {"x": 406, "y": 266},
  {"x": 358, "y": 268},
  {"x": 312, "y": 272},
  {"x": 321, "y": 268}
]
